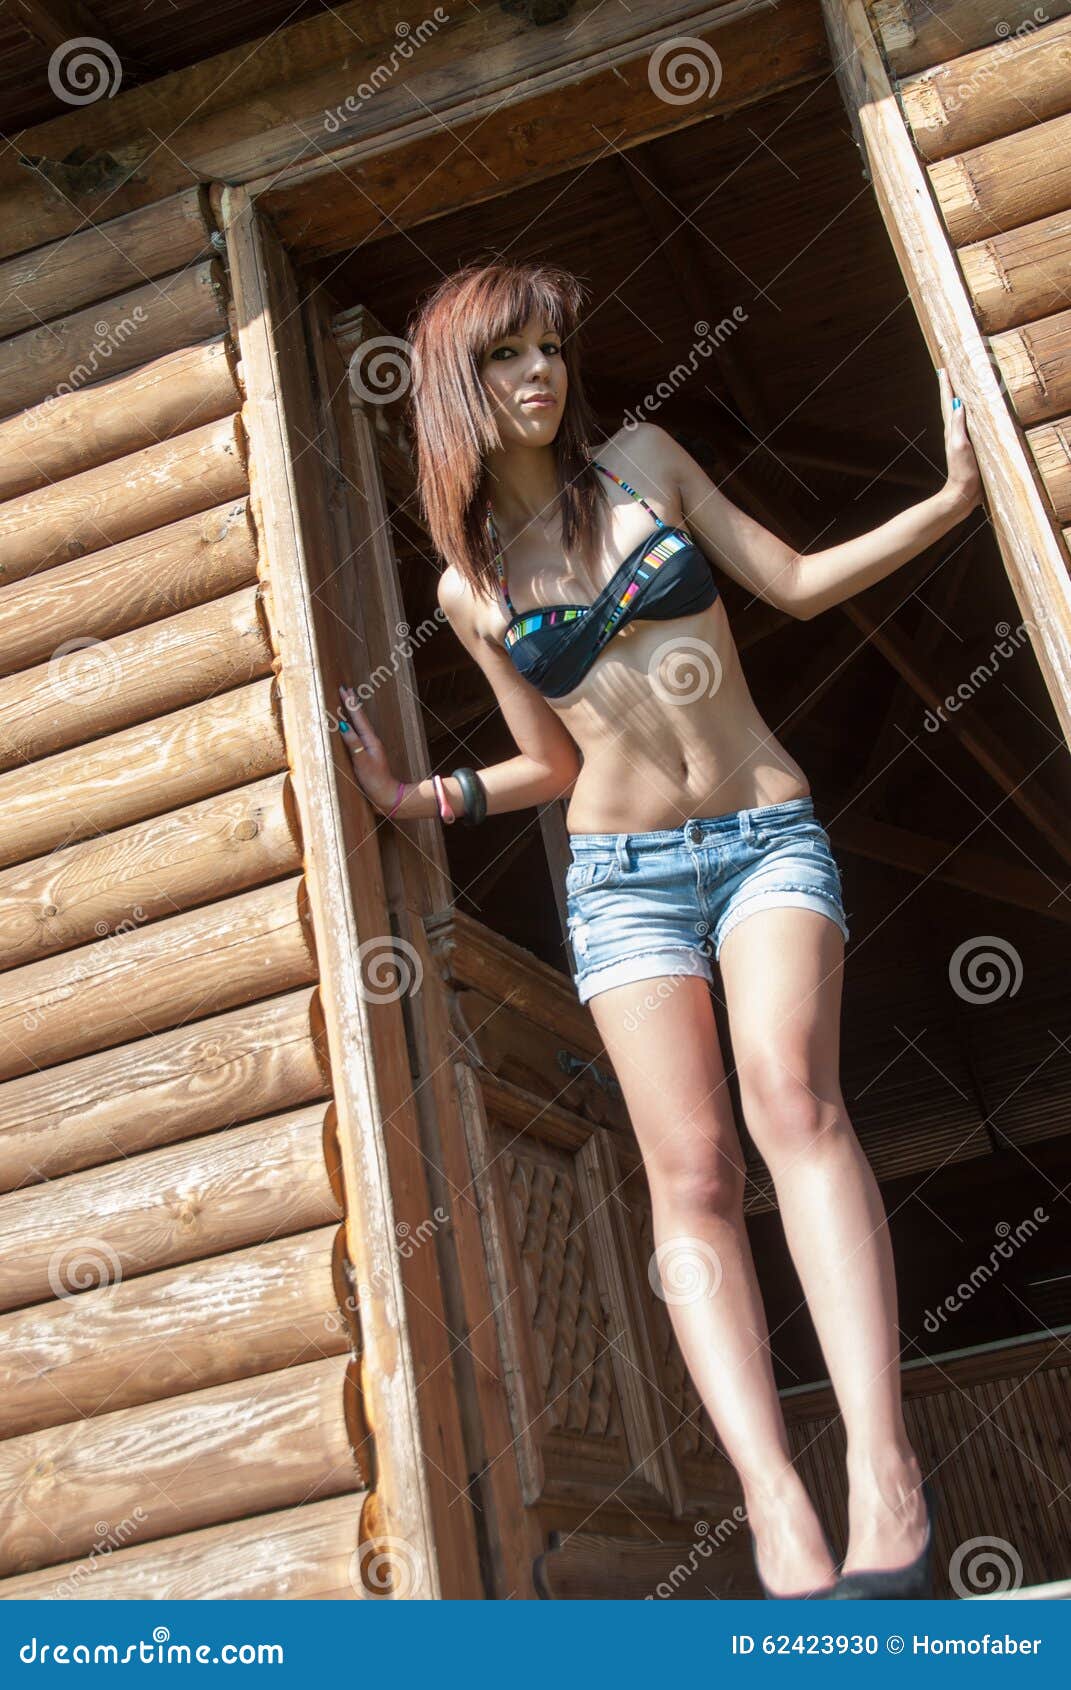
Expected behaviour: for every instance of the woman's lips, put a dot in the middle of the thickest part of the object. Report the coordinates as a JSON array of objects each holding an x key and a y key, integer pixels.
[{"x": 538, "y": 404}]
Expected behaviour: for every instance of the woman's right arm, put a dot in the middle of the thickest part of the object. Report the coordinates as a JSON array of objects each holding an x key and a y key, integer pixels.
[{"x": 548, "y": 761}]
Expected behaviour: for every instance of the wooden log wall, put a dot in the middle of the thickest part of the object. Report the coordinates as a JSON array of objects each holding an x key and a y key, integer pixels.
[
  {"x": 182, "y": 1409},
  {"x": 986, "y": 93}
]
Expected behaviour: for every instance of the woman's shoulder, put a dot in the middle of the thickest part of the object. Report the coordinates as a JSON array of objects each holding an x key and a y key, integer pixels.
[{"x": 645, "y": 446}]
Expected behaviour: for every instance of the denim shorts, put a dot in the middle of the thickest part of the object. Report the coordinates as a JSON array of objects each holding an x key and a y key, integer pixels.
[{"x": 642, "y": 904}]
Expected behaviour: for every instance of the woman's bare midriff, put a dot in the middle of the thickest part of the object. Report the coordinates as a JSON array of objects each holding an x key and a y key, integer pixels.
[{"x": 668, "y": 729}]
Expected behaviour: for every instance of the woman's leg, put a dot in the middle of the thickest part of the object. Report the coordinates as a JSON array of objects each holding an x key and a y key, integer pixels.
[
  {"x": 782, "y": 972},
  {"x": 662, "y": 1039}
]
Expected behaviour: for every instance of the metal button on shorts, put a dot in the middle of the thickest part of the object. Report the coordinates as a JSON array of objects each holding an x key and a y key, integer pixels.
[{"x": 642, "y": 904}]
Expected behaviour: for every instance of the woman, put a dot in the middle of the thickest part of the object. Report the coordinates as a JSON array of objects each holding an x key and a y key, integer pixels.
[{"x": 583, "y": 590}]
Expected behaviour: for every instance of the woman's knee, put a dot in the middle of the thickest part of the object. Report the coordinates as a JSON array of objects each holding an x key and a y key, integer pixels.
[
  {"x": 703, "y": 1181},
  {"x": 788, "y": 1112}
]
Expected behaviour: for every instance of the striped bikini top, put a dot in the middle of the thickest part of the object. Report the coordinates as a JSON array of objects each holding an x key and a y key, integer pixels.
[{"x": 665, "y": 577}]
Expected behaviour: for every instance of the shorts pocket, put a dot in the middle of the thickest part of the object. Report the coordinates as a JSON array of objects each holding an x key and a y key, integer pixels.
[
  {"x": 586, "y": 874},
  {"x": 791, "y": 830}
]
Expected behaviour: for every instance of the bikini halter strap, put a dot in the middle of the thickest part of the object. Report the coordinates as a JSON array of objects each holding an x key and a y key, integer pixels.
[{"x": 500, "y": 561}]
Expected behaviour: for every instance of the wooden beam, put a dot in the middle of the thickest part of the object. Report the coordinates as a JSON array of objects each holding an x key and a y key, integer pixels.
[
  {"x": 1032, "y": 549},
  {"x": 981, "y": 741},
  {"x": 972, "y": 870},
  {"x": 406, "y": 1373},
  {"x": 580, "y": 107},
  {"x": 266, "y": 108},
  {"x": 952, "y": 571},
  {"x": 917, "y": 33}
]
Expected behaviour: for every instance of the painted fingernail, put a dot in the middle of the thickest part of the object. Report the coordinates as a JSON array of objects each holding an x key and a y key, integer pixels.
[{"x": 957, "y": 404}]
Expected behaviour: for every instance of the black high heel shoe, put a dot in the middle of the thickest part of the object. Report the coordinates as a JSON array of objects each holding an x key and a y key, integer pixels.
[
  {"x": 914, "y": 1580},
  {"x": 823, "y": 1593}
]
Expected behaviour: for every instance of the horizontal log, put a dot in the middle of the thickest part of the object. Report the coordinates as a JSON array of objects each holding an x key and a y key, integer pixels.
[
  {"x": 170, "y": 760},
  {"x": 275, "y": 1441},
  {"x": 1050, "y": 445},
  {"x": 916, "y": 33},
  {"x": 148, "y": 871},
  {"x": 1006, "y": 183},
  {"x": 263, "y": 1180},
  {"x": 53, "y": 280},
  {"x": 1035, "y": 365},
  {"x": 468, "y": 150},
  {"x": 267, "y": 1056},
  {"x": 106, "y": 339},
  {"x": 92, "y": 425},
  {"x": 119, "y": 500},
  {"x": 1018, "y": 277},
  {"x": 144, "y": 980},
  {"x": 98, "y": 687},
  {"x": 995, "y": 91},
  {"x": 253, "y": 120},
  {"x": 128, "y": 585},
  {"x": 295, "y": 1554},
  {"x": 137, "y": 1340}
]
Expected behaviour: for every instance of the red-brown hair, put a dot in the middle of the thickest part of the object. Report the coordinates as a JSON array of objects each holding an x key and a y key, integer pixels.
[{"x": 452, "y": 420}]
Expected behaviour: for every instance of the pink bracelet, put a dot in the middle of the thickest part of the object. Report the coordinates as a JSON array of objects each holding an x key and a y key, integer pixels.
[
  {"x": 397, "y": 800},
  {"x": 445, "y": 807}
]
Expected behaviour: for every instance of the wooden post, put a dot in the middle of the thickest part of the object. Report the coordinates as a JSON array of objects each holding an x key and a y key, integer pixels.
[{"x": 1034, "y": 554}]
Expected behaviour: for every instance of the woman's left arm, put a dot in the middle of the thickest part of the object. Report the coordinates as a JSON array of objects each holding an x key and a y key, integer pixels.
[{"x": 805, "y": 584}]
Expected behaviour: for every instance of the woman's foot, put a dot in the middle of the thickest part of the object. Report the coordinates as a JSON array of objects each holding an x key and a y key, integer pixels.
[
  {"x": 887, "y": 1520},
  {"x": 792, "y": 1553}
]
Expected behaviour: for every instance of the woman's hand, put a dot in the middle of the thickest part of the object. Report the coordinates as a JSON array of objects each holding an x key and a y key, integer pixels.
[
  {"x": 963, "y": 482},
  {"x": 368, "y": 754}
]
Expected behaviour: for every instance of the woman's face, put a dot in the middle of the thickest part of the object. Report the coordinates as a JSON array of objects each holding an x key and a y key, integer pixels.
[{"x": 525, "y": 378}]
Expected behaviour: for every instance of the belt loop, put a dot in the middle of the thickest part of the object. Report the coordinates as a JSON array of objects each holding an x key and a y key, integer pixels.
[
  {"x": 621, "y": 852},
  {"x": 746, "y": 829}
]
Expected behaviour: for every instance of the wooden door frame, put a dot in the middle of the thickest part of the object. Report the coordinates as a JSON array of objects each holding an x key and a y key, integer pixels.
[{"x": 419, "y": 1522}]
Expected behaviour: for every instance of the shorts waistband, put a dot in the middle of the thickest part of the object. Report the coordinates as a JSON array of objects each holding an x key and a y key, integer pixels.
[{"x": 697, "y": 830}]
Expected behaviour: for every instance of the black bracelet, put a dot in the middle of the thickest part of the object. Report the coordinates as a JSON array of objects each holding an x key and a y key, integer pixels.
[{"x": 474, "y": 794}]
